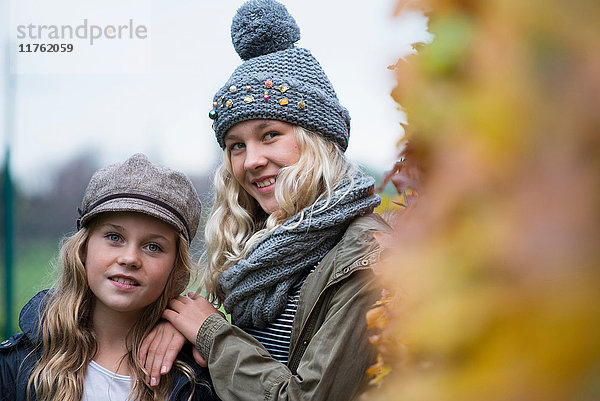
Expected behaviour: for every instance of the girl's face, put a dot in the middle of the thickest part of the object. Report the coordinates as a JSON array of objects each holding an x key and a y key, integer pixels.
[
  {"x": 258, "y": 149},
  {"x": 128, "y": 259}
]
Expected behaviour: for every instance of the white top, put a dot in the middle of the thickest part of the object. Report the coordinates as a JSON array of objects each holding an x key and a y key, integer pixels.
[{"x": 100, "y": 384}]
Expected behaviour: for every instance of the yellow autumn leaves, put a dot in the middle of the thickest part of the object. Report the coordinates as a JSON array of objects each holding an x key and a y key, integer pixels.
[{"x": 494, "y": 272}]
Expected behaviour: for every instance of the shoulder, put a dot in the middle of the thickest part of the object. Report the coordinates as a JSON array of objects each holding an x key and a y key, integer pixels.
[
  {"x": 367, "y": 224},
  {"x": 17, "y": 354},
  {"x": 11, "y": 342},
  {"x": 357, "y": 250},
  {"x": 15, "y": 348},
  {"x": 28, "y": 322},
  {"x": 31, "y": 314},
  {"x": 13, "y": 352},
  {"x": 359, "y": 246},
  {"x": 18, "y": 348}
]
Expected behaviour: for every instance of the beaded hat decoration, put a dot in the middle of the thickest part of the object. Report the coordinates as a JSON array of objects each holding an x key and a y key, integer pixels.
[{"x": 277, "y": 80}]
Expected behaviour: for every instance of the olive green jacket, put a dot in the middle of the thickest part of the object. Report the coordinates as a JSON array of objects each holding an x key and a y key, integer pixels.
[{"x": 329, "y": 345}]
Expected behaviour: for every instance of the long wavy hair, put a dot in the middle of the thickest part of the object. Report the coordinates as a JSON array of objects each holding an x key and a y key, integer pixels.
[
  {"x": 237, "y": 222},
  {"x": 68, "y": 341}
]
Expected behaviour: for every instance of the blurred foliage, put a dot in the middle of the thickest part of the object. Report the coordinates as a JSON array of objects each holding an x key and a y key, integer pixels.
[{"x": 494, "y": 272}]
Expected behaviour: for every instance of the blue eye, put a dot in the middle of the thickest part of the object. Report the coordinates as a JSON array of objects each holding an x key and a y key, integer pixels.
[
  {"x": 237, "y": 146},
  {"x": 270, "y": 135},
  {"x": 113, "y": 237},
  {"x": 152, "y": 247}
]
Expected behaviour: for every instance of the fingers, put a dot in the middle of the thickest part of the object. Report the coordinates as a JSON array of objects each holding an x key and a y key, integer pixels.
[
  {"x": 172, "y": 351},
  {"x": 170, "y": 316},
  {"x": 145, "y": 346},
  {"x": 199, "y": 358},
  {"x": 165, "y": 355},
  {"x": 161, "y": 350},
  {"x": 178, "y": 302},
  {"x": 174, "y": 313},
  {"x": 187, "y": 315},
  {"x": 179, "y": 322},
  {"x": 152, "y": 360}
]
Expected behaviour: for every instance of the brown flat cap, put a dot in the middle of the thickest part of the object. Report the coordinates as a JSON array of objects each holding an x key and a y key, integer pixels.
[{"x": 137, "y": 185}]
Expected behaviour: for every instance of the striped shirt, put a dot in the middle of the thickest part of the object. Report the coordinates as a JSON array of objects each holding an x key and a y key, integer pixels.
[{"x": 276, "y": 336}]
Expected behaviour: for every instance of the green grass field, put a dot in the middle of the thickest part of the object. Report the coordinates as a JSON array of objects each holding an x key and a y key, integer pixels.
[{"x": 32, "y": 272}]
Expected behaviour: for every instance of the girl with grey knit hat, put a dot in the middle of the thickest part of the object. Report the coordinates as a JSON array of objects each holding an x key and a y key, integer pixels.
[{"x": 289, "y": 241}]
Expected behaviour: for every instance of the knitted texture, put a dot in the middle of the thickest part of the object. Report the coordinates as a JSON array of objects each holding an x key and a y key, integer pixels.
[
  {"x": 262, "y": 27},
  {"x": 256, "y": 288},
  {"x": 281, "y": 82}
]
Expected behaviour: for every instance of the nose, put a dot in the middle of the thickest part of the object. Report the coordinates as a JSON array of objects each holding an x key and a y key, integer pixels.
[
  {"x": 255, "y": 157},
  {"x": 129, "y": 257}
]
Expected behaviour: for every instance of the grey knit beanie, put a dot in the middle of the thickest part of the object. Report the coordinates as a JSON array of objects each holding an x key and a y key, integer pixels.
[
  {"x": 136, "y": 185},
  {"x": 277, "y": 80}
]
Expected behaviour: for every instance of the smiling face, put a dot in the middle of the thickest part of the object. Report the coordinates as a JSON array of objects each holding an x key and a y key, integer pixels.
[
  {"x": 128, "y": 259},
  {"x": 258, "y": 149}
]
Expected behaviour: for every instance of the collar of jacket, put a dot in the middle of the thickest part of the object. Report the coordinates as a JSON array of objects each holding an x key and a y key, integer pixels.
[
  {"x": 357, "y": 250},
  {"x": 30, "y": 315}
]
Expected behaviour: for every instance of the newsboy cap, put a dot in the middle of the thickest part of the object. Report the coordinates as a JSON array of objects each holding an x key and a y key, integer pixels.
[{"x": 137, "y": 185}]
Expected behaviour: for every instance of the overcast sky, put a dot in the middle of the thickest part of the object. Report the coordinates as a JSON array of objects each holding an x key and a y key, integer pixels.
[{"x": 153, "y": 95}]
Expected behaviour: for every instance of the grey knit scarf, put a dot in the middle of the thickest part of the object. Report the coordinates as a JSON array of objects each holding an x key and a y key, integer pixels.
[{"x": 256, "y": 288}]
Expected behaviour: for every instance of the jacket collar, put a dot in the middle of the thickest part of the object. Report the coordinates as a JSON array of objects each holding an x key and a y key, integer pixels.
[
  {"x": 30, "y": 315},
  {"x": 357, "y": 249}
]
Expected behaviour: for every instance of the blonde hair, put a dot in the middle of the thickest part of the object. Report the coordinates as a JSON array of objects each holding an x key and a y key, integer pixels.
[
  {"x": 68, "y": 342},
  {"x": 237, "y": 222}
]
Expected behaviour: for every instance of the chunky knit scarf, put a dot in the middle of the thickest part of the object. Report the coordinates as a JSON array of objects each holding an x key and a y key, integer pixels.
[{"x": 256, "y": 288}]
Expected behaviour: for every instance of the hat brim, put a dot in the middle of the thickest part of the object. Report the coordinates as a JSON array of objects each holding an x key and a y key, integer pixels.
[{"x": 135, "y": 205}]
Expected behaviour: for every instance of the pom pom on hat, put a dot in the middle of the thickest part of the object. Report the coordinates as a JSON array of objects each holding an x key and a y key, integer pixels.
[
  {"x": 263, "y": 26},
  {"x": 277, "y": 80}
]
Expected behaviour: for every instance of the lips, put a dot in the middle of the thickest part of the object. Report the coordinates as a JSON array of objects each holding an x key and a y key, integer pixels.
[
  {"x": 265, "y": 183},
  {"x": 126, "y": 281}
]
